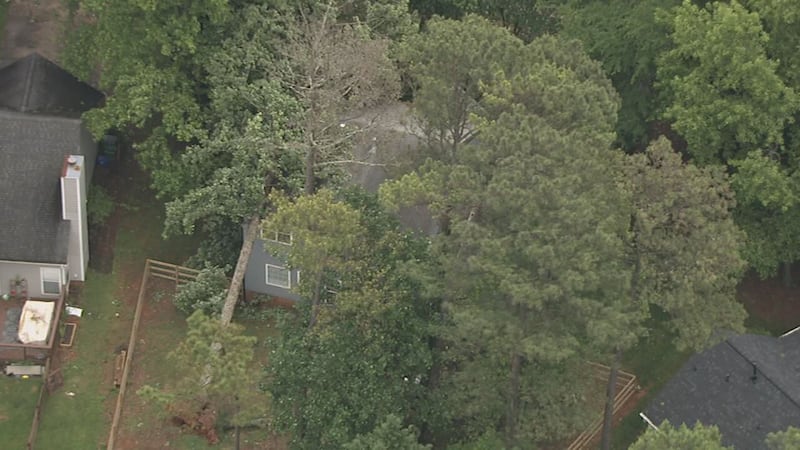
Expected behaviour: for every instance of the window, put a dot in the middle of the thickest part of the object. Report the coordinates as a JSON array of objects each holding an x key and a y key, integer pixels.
[
  {"x": 51, "y": 280},
  {"x": 279, "y": 276},
  {"x": 277, "y": 236}
]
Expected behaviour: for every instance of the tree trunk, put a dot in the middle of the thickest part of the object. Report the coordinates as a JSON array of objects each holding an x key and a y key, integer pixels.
[
  {"x": 241, "y": 266},
  {"x": 611, "y": 393},
  {"x": 636, "y": 275},
  {"x": 787, "y": 275},
  {"x": 513, "y": 400},
  {"x": 315, "y": 296},
  {"x": 427, "y": 433},
  {"x": 311, "y": 161}
]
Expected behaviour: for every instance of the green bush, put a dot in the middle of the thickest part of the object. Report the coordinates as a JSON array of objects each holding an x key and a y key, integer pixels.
[
  {"x": 206, "y": 293},
  {"x": 100, "y": 205}
]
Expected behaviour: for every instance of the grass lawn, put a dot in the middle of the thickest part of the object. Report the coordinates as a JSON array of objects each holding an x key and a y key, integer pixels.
[
  {"x": 654, "y": 361},
  {"x": 82, "y": 421},
  {"x": 165, "y": 329},
  {"x": 4, "y": 4},
  {"x": 17, "y": 401},
  {"x": 79, "y": 421}
]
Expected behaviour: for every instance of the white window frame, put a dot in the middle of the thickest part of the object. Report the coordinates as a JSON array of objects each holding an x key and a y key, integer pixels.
[
  {"x": 288, "y": 284},
  {"x": 50, "y": 275},
  {"x": 278, "y": 237}
]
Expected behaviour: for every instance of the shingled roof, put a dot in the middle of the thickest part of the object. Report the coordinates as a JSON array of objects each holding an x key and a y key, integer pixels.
[
  {"x": 748, "y": 386},
  {"x": 40, "y": 106},
  {"x": 36, "y": 85}
]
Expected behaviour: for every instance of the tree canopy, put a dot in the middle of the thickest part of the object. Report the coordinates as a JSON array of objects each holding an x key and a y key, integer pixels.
[
  {"x": 668, "y": 437},
  {"x": 554, "y": 246},
  {"x": 726, "y": 99}
]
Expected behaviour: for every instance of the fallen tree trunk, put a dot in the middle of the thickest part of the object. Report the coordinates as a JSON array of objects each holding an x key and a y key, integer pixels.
[{"x": 238, "y": 274}]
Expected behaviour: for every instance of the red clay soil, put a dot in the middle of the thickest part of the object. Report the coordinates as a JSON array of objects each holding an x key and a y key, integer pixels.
[{"x": 770, "y": 302}]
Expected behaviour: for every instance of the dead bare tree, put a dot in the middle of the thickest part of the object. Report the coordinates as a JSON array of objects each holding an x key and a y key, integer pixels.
[{"x": 334, "y": 69}]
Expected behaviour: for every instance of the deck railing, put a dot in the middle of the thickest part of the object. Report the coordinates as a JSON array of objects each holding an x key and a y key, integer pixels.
[{"x": 15, "y": 351}]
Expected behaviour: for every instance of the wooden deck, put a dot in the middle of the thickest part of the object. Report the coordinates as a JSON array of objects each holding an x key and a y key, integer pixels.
[{"x": 10, "y": 348}]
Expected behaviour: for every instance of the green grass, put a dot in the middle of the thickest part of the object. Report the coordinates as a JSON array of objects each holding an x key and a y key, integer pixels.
[
  {"x": 17, "y": 401},
  {"x": 4, "y": 4},
  {"x": 79, "y": 422},
  {"x": 82, "y": 421},
  {"x": 654, "y": 360},
  {"x": 758, "y": 325},
  {"x": 163, "y": 334}
]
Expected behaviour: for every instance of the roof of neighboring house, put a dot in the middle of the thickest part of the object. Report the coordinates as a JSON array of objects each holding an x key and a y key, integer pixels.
[
  {"x": 718, "y": 387},
  {"x": 36, "y": 85},
  {"x": 390, "y": 136},
  {"x": 32, "y": 151}
]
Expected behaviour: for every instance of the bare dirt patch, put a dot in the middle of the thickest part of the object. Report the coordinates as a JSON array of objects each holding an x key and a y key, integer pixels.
[
  {"x": 33, "y": 26},
  {"x": 771, "y": 304}
]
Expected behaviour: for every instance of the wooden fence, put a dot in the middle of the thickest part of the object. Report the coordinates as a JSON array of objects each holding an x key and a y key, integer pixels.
[
  {"x": 179, "y": 274},
  {"x": 156, "y": 269},
  {"x": 626, "y": 387},
  {"x": 44, "y": 392}
]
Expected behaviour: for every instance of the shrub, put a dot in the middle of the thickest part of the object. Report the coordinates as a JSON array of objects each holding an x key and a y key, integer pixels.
[
  {"x": 100, "y": 205},
  {"x": 206, "y": 293}
]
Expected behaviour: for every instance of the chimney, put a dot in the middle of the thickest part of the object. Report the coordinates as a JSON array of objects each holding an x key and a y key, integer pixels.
[{"x": 754, "y": 377}]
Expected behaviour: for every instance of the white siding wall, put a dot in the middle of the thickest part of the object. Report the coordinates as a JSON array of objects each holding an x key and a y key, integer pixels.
[{"x": 73, "y": 190}]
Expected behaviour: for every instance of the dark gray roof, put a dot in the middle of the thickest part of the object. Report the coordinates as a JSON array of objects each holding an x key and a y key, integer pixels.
[
  {"x": 32, "y": 150},
  {"x": 716, "y": 387},
  {"x": 36, "y": 85}
]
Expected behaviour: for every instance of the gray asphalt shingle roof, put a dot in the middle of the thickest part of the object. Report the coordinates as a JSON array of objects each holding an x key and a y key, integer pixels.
[
  {"x": 40, "y": 108},
  {"x": 716, "y": 387},
  {"x": 36, "y": 85},
  {"x": 32, "y": 150}
]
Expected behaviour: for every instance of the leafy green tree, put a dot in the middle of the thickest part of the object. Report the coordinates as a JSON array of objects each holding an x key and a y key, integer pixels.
[
  {"x": 684, "y": 244},
  {"x": 518, "y": 286},
  {"x": 375, "y": 323},
  {"x": 768, "y": 210},
  {"x": 488, "y": 441},
  {"x": 206, "y": 293},
  {"x": 447, "y": 64},
  {"x": 784, "y": 440},
  {"x": 779, "y": 19},
  {"x": 525, "y": 19},
  {"x": 150, "y": 57},
  {"x": 325, "y": 233},
  {"x": 724, "y": 99},
  {"x": 626, "y": 37},
  {"x": 389, "y": 435},
  {"x": 683, "y": 252},
  {"x": 392, "y": 19},
  {"x": 450, "y": 9},
  {"x": 214, "y": 363},
  {"x": 252, "y": 165},
  {"x": 667, "y": 437}
]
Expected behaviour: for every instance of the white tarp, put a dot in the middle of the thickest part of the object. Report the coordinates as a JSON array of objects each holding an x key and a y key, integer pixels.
[{"x": 34, "y": 323}]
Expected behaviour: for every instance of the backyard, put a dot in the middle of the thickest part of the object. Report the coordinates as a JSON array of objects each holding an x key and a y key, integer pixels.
[
  {"x": 77, "y": 415},
  {"x": 17, "y": 401},
  {"x": 108, "y": 301}
]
